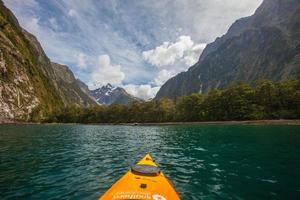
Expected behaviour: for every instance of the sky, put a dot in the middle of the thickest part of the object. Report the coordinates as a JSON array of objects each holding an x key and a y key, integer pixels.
[{"x": 135, "y": 44}]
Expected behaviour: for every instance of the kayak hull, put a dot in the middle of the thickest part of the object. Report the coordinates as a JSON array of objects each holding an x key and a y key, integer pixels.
[{"x": 140, "y": 186}]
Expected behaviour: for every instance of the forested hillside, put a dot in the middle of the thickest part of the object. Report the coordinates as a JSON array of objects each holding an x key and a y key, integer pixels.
[{"x": 239, "y": 101}]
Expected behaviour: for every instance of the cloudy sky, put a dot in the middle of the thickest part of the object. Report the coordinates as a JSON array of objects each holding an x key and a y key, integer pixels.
[{"x": 137, "y": 44}]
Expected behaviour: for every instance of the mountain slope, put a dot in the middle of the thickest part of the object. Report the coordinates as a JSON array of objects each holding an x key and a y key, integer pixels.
[
  {"x": 108, "y": 95},
  {"x": 69, "y": 88},
  {"x": 265, "y": 45},
  {"x": 30, "y": 85},
  {"x": 85, "y": 89}
]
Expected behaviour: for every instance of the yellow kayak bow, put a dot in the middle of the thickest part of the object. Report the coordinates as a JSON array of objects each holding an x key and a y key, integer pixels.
[{"x": 144, "y": 181}]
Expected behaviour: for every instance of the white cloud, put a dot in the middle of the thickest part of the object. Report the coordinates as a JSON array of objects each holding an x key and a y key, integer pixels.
[
  {"x": 24, "y": 4},
  {"x": 183, "y": 50},
  {"x": 203, "y": 20},
  {"x": 163, "y": 76},
  {"x": 167, "y": 53},
  {"x": 53, "y": 23},
  {"x": 105, "y": 72},
  {"x": 32, "y": 24},
  {"x": 172, "y": 58},
  {"x": 72, "y": 13},
  {"x": 82, "y": 61},
  {"x": 192, "y": 55},
  {"x": 145, "y": 92}
]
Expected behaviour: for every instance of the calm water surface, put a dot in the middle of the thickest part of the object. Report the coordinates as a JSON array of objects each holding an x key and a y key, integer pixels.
[{"x": 203, "y": 161}]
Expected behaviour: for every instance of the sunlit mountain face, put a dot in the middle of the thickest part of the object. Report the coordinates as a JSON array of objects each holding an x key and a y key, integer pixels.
[{"x": 137, "y": 45}]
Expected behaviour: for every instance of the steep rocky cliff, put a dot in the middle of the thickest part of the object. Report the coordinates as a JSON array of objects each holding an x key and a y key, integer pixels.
[
  {"x": 263, "y": 46},
  {"x": 85, "y": 89},
  {"x": 31, "y": 86},
  {"x": 70, "y": 89}
]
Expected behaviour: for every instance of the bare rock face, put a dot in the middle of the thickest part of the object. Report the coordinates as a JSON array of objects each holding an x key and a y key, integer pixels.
[
  {"x": 69, "y": 88},
  {"x": 31, "y": 86},
  {"x": 16, "y": 102},
  {"x": 263, "y": 46},
  {"x": 83, "y": 86}
]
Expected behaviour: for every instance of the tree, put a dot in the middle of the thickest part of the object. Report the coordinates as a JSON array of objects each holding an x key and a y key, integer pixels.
[
  {"x": 265, "y": 96},
  {"x": 236, "y": 101},
  {"x": 213, "y": 109},
  {"x": 189, "y": 108},
  {"x": 287, "y": 99}
]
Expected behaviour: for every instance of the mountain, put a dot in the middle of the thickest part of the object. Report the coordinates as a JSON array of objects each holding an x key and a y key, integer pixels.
[
  {"x": 265, "y": 45},
  {"x": 31, "y": 86},
  {"x": 71, "y": 90},
  {"x": 83, "y": 86},
  {"x": 107, "y": 95},
  {"x": 85, "y": 89}
]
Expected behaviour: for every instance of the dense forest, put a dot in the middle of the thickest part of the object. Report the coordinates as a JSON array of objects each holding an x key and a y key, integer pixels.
[{"x": 239, "y": 101}]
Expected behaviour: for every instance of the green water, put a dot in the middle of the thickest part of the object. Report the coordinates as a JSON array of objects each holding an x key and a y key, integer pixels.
[{"x": 203, "y": 162}]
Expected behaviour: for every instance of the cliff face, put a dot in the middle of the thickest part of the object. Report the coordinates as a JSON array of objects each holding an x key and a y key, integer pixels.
[
  {"x": 30, "y": 85},
  {"x": 69, "y": 88},
  {"x": 265, "y": 45}
]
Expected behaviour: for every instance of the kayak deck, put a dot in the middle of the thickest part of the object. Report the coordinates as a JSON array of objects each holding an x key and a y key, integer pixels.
[{"x": 144, "y": 182}]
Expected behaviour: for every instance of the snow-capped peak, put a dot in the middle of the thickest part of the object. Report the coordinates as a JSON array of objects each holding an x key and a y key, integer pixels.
[{"x": 109, "y": 94}]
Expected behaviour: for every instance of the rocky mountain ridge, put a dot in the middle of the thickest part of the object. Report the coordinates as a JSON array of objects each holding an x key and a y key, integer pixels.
[
  {"x": 107, "y": 95},
  {"x": 31, "y": 86},
  {"x": 265, "y": 45}
]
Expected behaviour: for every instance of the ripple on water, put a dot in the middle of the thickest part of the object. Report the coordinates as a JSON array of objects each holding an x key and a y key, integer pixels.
[
  {"x": 269, "y": 180},
  {"x": 204, "y": 162},
  {"x": 200, "y": 149}
]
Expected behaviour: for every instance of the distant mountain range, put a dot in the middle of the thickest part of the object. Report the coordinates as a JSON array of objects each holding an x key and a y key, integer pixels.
[
  {"x": 31, "y": 86},
  {"x": 107, "y": 95},
  {"x": 263, "y": 46}
]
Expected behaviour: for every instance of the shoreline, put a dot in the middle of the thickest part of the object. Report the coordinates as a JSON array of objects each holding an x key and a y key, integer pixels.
[{"x": 245, "y": 122}]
